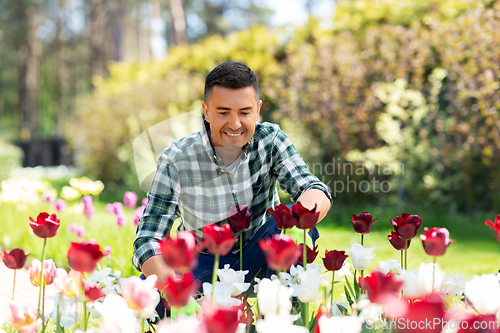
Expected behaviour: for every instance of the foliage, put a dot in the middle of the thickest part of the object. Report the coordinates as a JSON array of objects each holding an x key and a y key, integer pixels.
[{"x": 10, "y": 158}]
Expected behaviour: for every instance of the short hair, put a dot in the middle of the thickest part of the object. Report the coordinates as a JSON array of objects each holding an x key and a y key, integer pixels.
[{"x": 231, "y": 75}]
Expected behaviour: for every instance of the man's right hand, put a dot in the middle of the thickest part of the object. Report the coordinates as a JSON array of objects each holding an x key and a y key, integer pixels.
[{"x": 156, "y": 265}]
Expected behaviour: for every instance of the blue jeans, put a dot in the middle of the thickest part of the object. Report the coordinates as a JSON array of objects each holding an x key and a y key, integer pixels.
[{"x": 253, "y": 258}]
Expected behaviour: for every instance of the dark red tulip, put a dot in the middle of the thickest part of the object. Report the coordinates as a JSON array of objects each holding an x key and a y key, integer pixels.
[
  {"x": 397, "y": 242},
  {"x": 221, "y": 320},
  {"x": 93, "y": 292},
  {"x": 304, "y": 218},
  {"x": 280, "y": 251},
  {"x": 218, "y": 240},
  {"x": 435, "y": 241},
  {"x": 83, "y": 257},
  {"x": 45, "y": 225},
  {"x": 334, "y": 260},
  {"x": 14, "y": 259},
  {"x": 495, "y": 226},
  {"x": 429, "y": 309},
  {"x": 282, "y": 217},
  {"x": 178, "y": 289},
  {"x": 478, "y": 324},
  {"x": 310, "y": 254},
  {"x": 381, "y": 288},
  {"x": 239, "y": 217},
  {"x": 181, "y": 253},
  {"x": 362, "y": 224},
  {"x": 407, "y": 225}
]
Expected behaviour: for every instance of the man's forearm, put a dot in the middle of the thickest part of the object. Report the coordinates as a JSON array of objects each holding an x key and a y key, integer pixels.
[
  {"x": 156, "y": 265},
  {"x": 315, "y": 197}
]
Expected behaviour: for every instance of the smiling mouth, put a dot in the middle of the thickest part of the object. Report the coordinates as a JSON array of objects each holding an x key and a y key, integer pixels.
[{"x": 234, "y": 135}]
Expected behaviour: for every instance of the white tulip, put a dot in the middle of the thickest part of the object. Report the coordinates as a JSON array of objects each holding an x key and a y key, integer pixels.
[
  {"x": 453, "y": 286},
  {"x": 307, "y": 286},
  {"x": 340, "y": 324},
  {"x": 117, "y": 316},
  {"x": 360, "y": 256},
  {"x": 344, "y": 271},
  {"x": 181, "y": 324},
  {"x": 410, "y": 286},
  {"x": 274, "y": 298},
  {"x": 234, "y": 279},
  {"x": 427, "y": 273},
  {"x": 273, "y": 323},
  {"x": 484, "y": 293},
  {"x": 390, "y": 266},
  {"x": 335, "y": 309},
  {"x": 222, "y": 295}
]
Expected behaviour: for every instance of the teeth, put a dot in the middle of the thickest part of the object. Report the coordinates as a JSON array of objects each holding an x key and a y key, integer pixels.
[{"x": 233, "y": 134}]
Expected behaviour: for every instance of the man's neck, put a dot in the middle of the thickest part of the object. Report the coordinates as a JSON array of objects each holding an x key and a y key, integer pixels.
[{"x": 227, "y": 154}]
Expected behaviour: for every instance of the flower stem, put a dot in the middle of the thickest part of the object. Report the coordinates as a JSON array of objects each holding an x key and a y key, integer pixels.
[
  {"x": 434, "y": 273},
  {"x": 14, "y": 284},
  {"x": 402, "y": 260},
  {"x": 142, "y": 325},
  {"x": 41, "y": 278},
  {"x": 84, "y": 324},
  {"x": 362, "y": 238},
  {"x": 304, "y": 252},
  {"x": 43, "y": 304},
  {"x": 306, "y": 315},
  {"x": 333, "y": 282},
  {"x": 241, "y": 251},
  {"x": 214, "y": 275},
  {"x": 284, "y": 231},
  {"x": 362, "y": 273},
  {"x": 406, "y": 254},
  {"x": 58, "y": 320}
]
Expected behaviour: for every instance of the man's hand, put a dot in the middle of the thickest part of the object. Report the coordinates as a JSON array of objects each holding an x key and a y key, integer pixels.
[
  {"x": 156, "y": 265},
  {"x": 312, "y": 197}
]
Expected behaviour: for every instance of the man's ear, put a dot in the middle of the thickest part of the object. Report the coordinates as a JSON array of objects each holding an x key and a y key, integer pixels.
[
  {"x": 258, "y": 109},
  {"x": 205, "y": 111}
]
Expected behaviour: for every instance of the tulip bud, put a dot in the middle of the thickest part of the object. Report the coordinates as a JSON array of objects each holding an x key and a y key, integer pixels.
[{"x": 49, "y": 272}]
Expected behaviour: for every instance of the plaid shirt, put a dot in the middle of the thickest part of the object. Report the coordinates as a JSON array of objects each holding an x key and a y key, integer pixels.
[{"x": 193, "y": 183}]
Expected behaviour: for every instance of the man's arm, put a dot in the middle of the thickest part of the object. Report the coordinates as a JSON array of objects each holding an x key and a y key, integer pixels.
[
  {"x": 156, "y": 265},
  {"x": 317, "y": 197}
]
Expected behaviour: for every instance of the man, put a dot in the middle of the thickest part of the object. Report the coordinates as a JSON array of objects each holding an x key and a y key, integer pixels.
[{"x": 233, "y": 160}]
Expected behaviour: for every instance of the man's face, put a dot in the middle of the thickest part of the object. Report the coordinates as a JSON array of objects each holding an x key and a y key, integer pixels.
[{"x": 232, "y": 114}]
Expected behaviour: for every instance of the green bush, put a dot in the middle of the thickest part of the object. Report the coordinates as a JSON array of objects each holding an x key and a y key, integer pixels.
[{"x": 11, "y": 157}]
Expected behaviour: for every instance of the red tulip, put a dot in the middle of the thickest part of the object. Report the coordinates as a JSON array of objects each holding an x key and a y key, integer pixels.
[
  {"x": 429, "y": 309},
  {"x": 181, "y": 253},
  {"x": 239, "y": 217},
  {"x": 14, "y": 259},
  {"x": 179, "y": 289},
  {"x": 381, "y": 288},
  {"x": 397, "y": 242},
  {"x": 221, "y": 320},
  {"x": 334, "y": 260},
  {"x": 407, "y": 225},
  {"x": 93, "y": 292},
  {"x": 362, "y": 224},
  {"x": 478, "y": 323},
  {"x": 310, "y": 254},
  {"x": 435, "y": 241},
  {"x": 83, "y": 257},
  {"x": 304, "y": 218},
  {"x": 495, "y": 226},
  {"x": 218, "y": 240},
  {"x": 45, "y": 225},
  {"x": 282, "y": 217},
  {"x": 280, "y": 251}
]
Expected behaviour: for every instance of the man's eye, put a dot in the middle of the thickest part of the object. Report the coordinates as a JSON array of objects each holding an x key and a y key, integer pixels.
[
  {"x": 222, "y": 113},
  {"x": 245, "y": 113}
]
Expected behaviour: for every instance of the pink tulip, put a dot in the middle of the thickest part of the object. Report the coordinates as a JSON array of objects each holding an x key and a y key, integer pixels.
[
  {"x": 23, "y": 317},
  {"x": 108, "y": 250},
  {"x": 145, "y": 201},
  {"x": 138, "y": 214},
  {"x": 80, "y": 231},
  {"x": 130, "y": 199},
  {"x": 141, "y": 295},
  {"x": 121, "y": 219},
  {"x": 60, "y": 205},
  {"x": 88, "y": 206},
  {"x": 73, "y": 227},
  {"x": 115, "y": 208},
  {"x": 49, "y": 272}
]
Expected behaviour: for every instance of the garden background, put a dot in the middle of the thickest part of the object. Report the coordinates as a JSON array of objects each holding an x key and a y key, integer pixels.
[{"x": 400, "y": 92}]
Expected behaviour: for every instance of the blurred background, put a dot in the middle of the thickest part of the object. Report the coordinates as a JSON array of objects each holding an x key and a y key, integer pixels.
[{"x": 402, "y": 93}]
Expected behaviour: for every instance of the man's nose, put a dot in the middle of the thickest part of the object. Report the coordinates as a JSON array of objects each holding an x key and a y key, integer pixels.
[{"x": 234, "y": 123}]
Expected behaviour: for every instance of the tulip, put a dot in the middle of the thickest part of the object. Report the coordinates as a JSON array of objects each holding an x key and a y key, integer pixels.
[
  {"x": 108, "y": 250},
  {"x": 117, "y": 316},
  {"x": 45, "y": 225},
  {"x": 360, "y": 256},
  {"x": 218, "y": 240},
  {"x": 239, "y": 219},
  {"x": 121, "y": 219},
  {"x": 83, "y": 257},
  {"x": 311, "y": 254},
  {"x": 114, "y": 208},
  {"x": 484, "y": 293},
  {"x": 234, "y": 279},
  {"x": 339, "y": 324},
  {"x": 495, "y": 226},
  {"x": 307, "y": 289},
  {"x": 407, "y": 225},
  {"x": 429, "y": 309},
  {"x": 389, "y": 266},
  {"x": 220, "y": 294},
  {"x": 138, "y": 214},
  {"x": 141, "y": 295},
  {"x": 279, "y": 323},
  {"x": 180, "y": 253},
  {"x": 49, "y": 272},
  {"x": 130, "y": 199},
  {"x": 334, "y": 260},
  {"x": 179, "y": 289},
  {"x": 220, "y": 320},
  {"x": 280, "y": 251},
  {"x": 304, "y": 218},
  {"x": 93, "y": 292},
  {"x": 381, "y": 288},
  {"x": 274, "y": 298},
  {"x": 60, "y": 204},
  {"x": 49, "y": 195},
  {"x": 70, "y": 284},
  {"x": 397, "y": 242},
  {"x": 23, "y": 318},
  {"x": 282, "y": 216},
  {"x": 435, "y": 241},
  {"x": 472, "y": 323},
  {"x": 88, "y": 206},
  {"x": 14, "y": 259},
  {"x": 69, "y": 193},
  {"x": 362, "y": 224},
  {"x": 453, "y": 286}
]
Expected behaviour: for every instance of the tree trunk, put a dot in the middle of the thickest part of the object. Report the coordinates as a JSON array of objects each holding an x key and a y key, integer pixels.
[
  {"x": 179, "y": 22},
  {"x": 97, "y": 24}
]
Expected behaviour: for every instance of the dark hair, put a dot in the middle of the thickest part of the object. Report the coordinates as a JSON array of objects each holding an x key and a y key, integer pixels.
[{"x": 232, "y": 75}]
